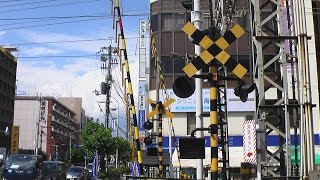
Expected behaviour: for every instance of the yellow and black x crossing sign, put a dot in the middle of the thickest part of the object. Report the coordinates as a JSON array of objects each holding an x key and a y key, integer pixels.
[
  {"x": 160, "y": 108},
  {"x": 214, "y": 50}
]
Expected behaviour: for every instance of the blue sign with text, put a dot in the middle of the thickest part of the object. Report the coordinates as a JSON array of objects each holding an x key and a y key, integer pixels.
[{"x": 142, "y": 119}]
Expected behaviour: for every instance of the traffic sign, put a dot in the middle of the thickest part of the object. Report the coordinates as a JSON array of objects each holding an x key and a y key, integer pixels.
[
  {"x": 214, "y": 50},
  {"x": 160, "y": 108}
]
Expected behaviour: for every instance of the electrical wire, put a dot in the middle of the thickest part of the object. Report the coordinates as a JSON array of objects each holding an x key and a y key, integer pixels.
[
  {"x": 62, "y": 56},
  {"x": 49, "y": 24},
  {"x": 27, "y": 3},
  {"x": 52, "y": 5},
  {"x": 66, "y": 41}
]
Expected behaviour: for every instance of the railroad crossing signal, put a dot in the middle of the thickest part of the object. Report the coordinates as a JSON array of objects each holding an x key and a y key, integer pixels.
[
  {"x": 160, "y": 108},
  {"x": 214, "y": 50}
]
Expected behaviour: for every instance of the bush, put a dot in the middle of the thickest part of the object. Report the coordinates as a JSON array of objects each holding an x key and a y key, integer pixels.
[{"x": 115, "y": 173}]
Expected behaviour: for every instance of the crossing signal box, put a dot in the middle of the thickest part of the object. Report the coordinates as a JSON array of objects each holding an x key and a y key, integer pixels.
[{"x": 192, "y": 148}]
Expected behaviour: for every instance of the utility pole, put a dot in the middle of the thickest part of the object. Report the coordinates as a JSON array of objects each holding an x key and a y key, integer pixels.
[
  {"x": 197, "y": 13},
  {"x": 107, "y": 60},
  {"x": 41, "y": 133},
  {"x": 41, "y": 118}
]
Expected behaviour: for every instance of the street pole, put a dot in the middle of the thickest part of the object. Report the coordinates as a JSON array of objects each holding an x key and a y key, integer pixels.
[
  {"x": 41, "y": 133},
  {"x": 70, "y": 149},
  {"x": 117, "y": 124},
  {"x": 213, "y": 72},
  {"x": 198, "y": 85},
  {"x": 56, "y": 149}
]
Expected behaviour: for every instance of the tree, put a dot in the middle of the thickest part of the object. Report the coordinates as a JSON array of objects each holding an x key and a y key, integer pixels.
[
  {"x": 95, "y": 137},
  {"x": 123, "y": 147},
  {"x": 77, "y": 155}
]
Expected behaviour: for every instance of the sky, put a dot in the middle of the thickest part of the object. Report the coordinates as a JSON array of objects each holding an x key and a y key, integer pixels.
[{"x": 58, "y": 41}]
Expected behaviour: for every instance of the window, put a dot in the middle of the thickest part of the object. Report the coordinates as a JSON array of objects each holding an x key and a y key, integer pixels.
[
  {"x": 179, "y": 21},
  {"x": 179, "y": 64},
  {"x": 152, "y": 67},
  {"x": 245, "y": 60},
  {"x": 167, "y": 22},
  {"x": 154, "y": 23},
  {"x": 166, "y": 64},
  {"x": 206, "y": 23},
  {"x": 243, "y": 21}
]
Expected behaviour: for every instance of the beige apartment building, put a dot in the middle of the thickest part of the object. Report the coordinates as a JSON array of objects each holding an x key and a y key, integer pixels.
[{"x": 57, "y": 124}]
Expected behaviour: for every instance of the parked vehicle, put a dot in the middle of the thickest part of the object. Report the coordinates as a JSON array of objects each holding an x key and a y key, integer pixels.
[
  {"x": 23, "y": 166},
  {"x": 54, "y": 170},
  {"x": 77, "y": 173},
  {"x": 89, "y": 168}
]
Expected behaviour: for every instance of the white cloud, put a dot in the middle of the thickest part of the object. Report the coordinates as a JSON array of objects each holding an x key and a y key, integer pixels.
[
  {"x": 76, "y": 77},
  {"x": 2, "y": 33},
  {"x": 66, "y": 82},
  {"x": 38, "y": 51},
  {"x": 91, "y": 47}
]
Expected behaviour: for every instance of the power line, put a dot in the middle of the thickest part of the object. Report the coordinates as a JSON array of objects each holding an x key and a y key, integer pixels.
[
  {"x": 23, "y": 4},
  {"x": 10, "y": 0},
  {"x": 68, "y": 17},
  {"x": 53, "y": 5},
  {"x": 50, "y": 24},
  {"x": 41, "y": 19},
  {"x": 62, "y": 56},
  {"x": 66, "y": 41}
]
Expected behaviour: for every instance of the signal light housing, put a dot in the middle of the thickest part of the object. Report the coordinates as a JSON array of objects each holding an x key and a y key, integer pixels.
[
  {"x": 147, "y": 141},
  {"x": 243, "y": 90},
  {"x": 148, "y": 125},
  {"x": 183, "y": 87}
]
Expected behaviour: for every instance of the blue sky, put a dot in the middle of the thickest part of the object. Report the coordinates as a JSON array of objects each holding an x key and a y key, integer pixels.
[{"x": 67, "y": 76}]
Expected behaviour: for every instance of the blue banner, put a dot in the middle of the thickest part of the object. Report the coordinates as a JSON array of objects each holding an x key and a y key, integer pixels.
[
  {"x": 135, "y": 169},
  {"x": 142, "y": 119},
  {"x": 94, "y": 167}
]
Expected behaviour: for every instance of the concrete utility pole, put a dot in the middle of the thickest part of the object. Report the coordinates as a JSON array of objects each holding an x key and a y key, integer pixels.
[
  {"x": 107, "y": 59},
  {"x": 197, "y": 13},
  {"x": 41, "y": 118}
]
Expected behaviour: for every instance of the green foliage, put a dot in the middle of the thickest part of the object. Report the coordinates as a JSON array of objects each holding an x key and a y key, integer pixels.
[
  {"x": 77, "y": 155},
  {"x": 115, "y": 173},
  {"x": 96, "y": 137},
  {"x": 123, "y": 147}
]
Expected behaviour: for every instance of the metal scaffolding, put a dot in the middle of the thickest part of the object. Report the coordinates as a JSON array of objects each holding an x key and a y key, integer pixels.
[{"x": 270, "y": 72}]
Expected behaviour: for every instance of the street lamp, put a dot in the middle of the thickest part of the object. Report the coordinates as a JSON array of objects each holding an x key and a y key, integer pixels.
[{"x": 70, "y": 144}]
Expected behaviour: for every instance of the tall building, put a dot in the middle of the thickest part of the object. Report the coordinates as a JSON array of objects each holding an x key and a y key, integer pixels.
[
  {"x": 8, "y": 69},
  {"x": 75, "y": 104},
  {"x": 57, "y": 125}
]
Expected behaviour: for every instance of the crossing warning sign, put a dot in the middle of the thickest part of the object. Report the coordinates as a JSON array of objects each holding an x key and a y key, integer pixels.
[{"x": 249, "y": 141}]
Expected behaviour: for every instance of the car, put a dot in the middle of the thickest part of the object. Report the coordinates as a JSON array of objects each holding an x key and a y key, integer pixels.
[
  {"x": 54, "y": 170},
  {"x": 89, "y": 167},
  {"x": 23, "y": 166},
  {"x": 77, "y": 173}
]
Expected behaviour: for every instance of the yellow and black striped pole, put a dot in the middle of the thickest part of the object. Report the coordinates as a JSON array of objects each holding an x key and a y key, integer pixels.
[
  {"x": 133, "y": 110},
  {"x": 160, "y": 110},
  {"x": 160, "y": 139},
  {"x": 213, "y": 73}
]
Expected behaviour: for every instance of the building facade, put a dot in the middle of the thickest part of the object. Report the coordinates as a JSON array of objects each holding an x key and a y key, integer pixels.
[
  {"x": 57, "y": 125},
  {"x": 8, "y": 70},
  {"x": 75, "y": 104}
]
